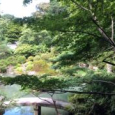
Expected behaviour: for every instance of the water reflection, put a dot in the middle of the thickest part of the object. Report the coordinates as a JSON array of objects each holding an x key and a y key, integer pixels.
[
  {"x": 19, "y": 111},
  {"x": 51, "y": 111}
]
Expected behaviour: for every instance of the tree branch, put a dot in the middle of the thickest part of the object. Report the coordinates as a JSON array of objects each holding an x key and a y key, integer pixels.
[
  {"x": 112, "y": 29},
  {"x": 102, "y": 81},
  {"x": 103, "y": 33},
  {"x": 51, "y": 95},
  {"x": 109, "y": 62},
  {"x": 100, "y": 29},
  {"x": 80, "y": 6},
  {"x": 78, "y": 31},
  {"x": 79, "y": 92}
]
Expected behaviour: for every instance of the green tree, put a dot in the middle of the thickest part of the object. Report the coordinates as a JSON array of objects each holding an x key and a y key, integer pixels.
[
  {"x": 3, "y": 28},
  {"x": 79, "y": 27},
  {"x": 9, "y": 31},
  {"x": 14, "y": 32},
  {"x": 29, "y": 36}
]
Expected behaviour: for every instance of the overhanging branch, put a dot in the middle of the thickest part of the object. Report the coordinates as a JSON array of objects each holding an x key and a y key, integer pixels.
[
  {"x": 103, "y": 33},
  {"x": 109, "y": 62},
  {"x": 79, "y": 92},
  {"x": 80, "y": 6},
  {"x": 112, "y": 28},
  {"x": 78, "y": 31},
  {"x": 100, "y": 29}
]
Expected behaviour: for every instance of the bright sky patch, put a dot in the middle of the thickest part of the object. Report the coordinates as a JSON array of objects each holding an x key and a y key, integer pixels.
[{"x": 16, "y": 7}]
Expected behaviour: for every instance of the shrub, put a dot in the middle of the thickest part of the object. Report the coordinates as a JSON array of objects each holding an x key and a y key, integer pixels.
[
  {"x": 3, "y": 69},
  {"x": 43, "y": 67},
  {"x": 30, "y": 58},
  {"x": 19, "y": 70},
  {"x": 21, "y": 59},
  {"x": 12, "y": 60},
  {"x": 37, "y": 57},
  {"x": 26, "y": 50},
  {"x": 40, "y": 66},
  {"x": 29, "y": 65}
]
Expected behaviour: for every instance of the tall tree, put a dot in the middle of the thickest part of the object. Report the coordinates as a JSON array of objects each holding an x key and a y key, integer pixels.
[{"x": 89, "y": 23}]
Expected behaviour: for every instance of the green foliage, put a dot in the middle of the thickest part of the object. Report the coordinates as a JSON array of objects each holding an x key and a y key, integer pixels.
[
  {"x": 74, "y": 71},
  {"x": 3, "y": 28},
  {"x": 13, "y": 33},
  {"x": 4, "y": 63},
  {"x": 41, "y": 64},
  {"x": 83, "y": 104},
  {"x": 5, "y": 51},
  {"x": 9, "y": 31},
  {"x": 30, "y": 66},
  {"x": 31, "y": 58},
  {"x": 29, "y": 36},
  {"x": 43, "y": 67},
  {"x": 26, "y": 50},
  {"x": 75, "y": 36},
  {"x": 20, "y": 59},
  {"x": 37, "y": 57},
  {"x": 19, "y": 70},
  {"x": 72, "y": 28},
  {"x": 95, "y": 104},
  {"x": 86, "y": 103},
  {"x": 55, "y": 12},
  {"x": 27, "y": 1},
  {"x": 17, "y": 59},
  {"x": 35, "y": 83}
]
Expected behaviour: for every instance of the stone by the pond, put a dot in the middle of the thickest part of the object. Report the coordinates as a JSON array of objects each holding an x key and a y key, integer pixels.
[{"x": 46, "y": 102}]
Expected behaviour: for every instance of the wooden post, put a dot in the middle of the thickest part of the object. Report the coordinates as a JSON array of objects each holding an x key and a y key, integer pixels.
[
  {"x": 37, "y": 110},
  {"x": 71, "y": 113},
  {"x": 2, "y": 112}
]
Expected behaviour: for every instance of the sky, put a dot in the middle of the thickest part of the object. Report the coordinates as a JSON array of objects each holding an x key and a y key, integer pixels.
[{"x": 16, "y": 7}]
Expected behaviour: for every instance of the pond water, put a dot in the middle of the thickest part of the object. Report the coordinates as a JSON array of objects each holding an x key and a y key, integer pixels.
[
  {"x": 29, "y": 111},
  {"x": 19, "y": 111}
]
